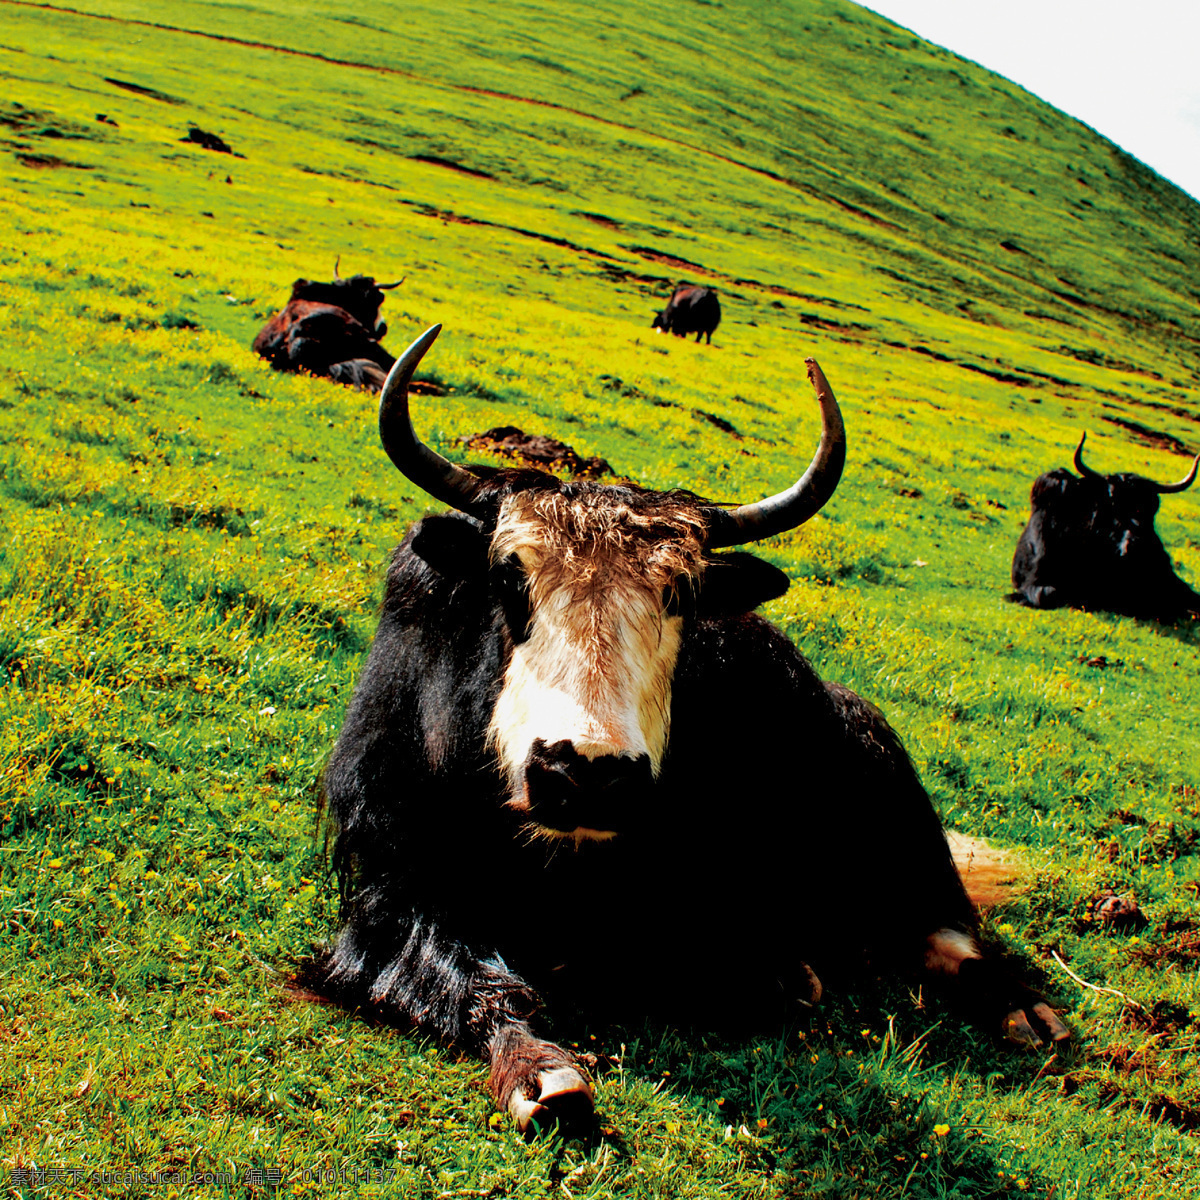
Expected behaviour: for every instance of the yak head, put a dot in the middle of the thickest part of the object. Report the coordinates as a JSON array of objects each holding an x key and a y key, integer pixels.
[
  {"x": 1096, "y": 544},
  {"x": 1122, "y": 506},
  {"x": 594, "y": 585},
  {"x": 664, "y": 319},
  {"x": 359, "y": 295}
]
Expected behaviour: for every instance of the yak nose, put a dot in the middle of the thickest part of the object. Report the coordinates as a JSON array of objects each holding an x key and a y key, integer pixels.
[{"x": 566, "y": 791}]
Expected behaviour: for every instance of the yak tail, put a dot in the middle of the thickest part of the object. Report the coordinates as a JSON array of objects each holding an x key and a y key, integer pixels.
[{"x": 990, "y": 876}]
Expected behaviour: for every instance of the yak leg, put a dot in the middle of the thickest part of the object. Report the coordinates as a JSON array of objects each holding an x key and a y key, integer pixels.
[
  {"x": 359, "y": 372},
  {"x": 989, "y": 993},
  {"x": 1042, "y": 596},
  {"x": 405, "y": 966}
]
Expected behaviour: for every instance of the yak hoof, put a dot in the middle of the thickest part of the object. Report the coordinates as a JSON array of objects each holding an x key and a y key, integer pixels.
[
  {"x": 1056, "y": 1031},
  {"x": 815, "y": 988},
  {"x": 564, "y": 1099},
  {"x": 1020, "y": 1031}
]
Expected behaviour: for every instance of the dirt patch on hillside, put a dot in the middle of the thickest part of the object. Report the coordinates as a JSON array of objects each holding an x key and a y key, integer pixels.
[
  {"x": 42, "y": 162},
  {"x": 537, "y": 450}
]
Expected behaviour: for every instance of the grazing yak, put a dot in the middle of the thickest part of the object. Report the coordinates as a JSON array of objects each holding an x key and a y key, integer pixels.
[
  {"x": 691, "y": 309},
  {"x": 577, "y": 766},
  {"x": 1090, "y": 543},
  {"x": 331, "y": 329}
]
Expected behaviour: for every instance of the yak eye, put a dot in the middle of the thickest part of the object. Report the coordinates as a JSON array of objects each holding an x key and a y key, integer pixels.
[{"x": 513, "y": 587}]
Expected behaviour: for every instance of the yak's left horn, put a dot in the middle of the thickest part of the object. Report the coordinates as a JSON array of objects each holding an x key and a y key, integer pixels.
[
  {"x": 443, "y": 480},
  {"x": 387, "y": 287},
  {"x": 805, "y": 498},
  {"x": 1080, "y": 465},
  {"x": 1185, "y": 483},
  {"x": 337, "y": 262}
]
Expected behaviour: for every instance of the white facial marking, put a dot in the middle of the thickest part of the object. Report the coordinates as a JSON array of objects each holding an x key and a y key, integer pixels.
[
  {"x": 946, "y": 950},
  {"x": 597, "y": 666}
]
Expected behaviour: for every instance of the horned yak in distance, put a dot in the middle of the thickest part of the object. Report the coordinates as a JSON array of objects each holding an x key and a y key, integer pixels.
[
  {"x": 331, "y": 329},
  {"x": 691, "y": 309},
  {"x": 1091, "y": 543},
  {"x": 578, "y": 769}
]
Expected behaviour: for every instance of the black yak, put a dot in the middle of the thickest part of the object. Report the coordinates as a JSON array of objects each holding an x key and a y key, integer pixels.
[
  {"x": 331, "y": 329},
  {"x": 691, "y": 309},
  {"x": 578, "y": 767},
  {"x": 1091, "y": 543}
]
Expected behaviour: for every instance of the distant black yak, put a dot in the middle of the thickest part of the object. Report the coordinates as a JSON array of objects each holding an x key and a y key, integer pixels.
[
  {"x": 1090, "y": 543},
  {"x": 331, "y": 329},
  {"x": 578, "y": 766},
  {"x": 691, "y": 309}
]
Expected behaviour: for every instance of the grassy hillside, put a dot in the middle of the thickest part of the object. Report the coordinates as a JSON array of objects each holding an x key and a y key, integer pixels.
[{"x": 191, "y": 552}]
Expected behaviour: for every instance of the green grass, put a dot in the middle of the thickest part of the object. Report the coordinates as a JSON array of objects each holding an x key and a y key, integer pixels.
[{"x": 193, "y": 546}]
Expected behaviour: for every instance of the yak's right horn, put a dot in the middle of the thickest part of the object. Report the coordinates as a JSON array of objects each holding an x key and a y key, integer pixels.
[
  {"x": 1185, "y": 483},
  {"x": 1163, "y": 488},
  {"x": 805, "y": 498}
]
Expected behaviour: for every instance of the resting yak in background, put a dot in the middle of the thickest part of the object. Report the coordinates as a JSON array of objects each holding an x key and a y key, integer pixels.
[
  {"x": 577, "y": 766},
  {"x": 331, "y": 329},
  {"x": 1090, "y": 543},
  {"x": 691, "y": 309}
]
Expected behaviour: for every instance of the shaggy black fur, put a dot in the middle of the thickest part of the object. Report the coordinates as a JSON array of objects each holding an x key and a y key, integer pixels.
[
  {"x": 787, "y": 827},
  {"x": 1091, "y": 543},
  {"x": 691, "y": 309}
]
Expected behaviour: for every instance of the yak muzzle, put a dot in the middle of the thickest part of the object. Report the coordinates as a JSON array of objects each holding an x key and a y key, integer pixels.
[{"x": 568, "y": 793}]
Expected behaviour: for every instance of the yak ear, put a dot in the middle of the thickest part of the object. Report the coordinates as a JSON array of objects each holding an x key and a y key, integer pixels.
[
  {"x": 452, "y": 546},
  {"x": 737, "y": 583}
]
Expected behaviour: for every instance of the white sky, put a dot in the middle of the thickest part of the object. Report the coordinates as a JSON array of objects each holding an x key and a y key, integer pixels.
[{"x": 1128, "y": 68}]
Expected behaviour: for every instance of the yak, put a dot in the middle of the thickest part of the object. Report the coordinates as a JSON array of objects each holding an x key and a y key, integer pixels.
[
  {"x": 1091, "y": 543},
  {"x": 578, "y": 768},
  {"x": 691, "y": 309},
  {"x": 331, "y": 329}
]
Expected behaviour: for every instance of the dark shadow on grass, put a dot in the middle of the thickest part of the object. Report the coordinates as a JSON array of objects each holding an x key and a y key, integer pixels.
[
  {"x": 842, "y": 1096},
  {"x": 1184, "y": 628}
]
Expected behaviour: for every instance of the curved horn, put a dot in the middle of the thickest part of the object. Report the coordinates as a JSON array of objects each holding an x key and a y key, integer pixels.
[
  {"x": 1080, "y": 465},
  {"x": 337, "y": 262},
  {"x": 426, "y": 468},
  {"x": 387, "y": 287},
  {"x": 1185, "y": 483},
  {"x": 805, "y": 498}
]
